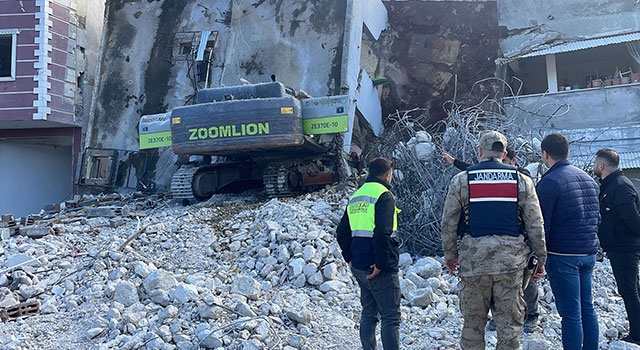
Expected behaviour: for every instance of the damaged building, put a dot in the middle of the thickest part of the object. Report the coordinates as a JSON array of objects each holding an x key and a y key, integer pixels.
[
  {"x": 569, "y": 68},
  {"x": 576, "y": 71},
  {"x": 385, "y": 56}
]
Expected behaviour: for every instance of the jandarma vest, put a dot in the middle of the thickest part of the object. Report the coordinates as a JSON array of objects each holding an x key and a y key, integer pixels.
[
  {"x": 361, "y": 209},
  {"x": 493, "y": 200}
]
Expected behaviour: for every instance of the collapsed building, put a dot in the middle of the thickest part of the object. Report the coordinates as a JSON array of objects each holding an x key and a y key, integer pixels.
[{"x": 561, "y": 69}]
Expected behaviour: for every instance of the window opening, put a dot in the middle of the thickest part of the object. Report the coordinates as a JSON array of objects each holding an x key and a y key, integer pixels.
[
  {"x": 112, "y": 168},
  {"x": 8, "y": 55},
  {"x": 204, "y": 66}
]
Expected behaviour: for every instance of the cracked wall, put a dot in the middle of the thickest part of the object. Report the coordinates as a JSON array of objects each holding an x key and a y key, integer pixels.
[{"x": 530, "y": 24}]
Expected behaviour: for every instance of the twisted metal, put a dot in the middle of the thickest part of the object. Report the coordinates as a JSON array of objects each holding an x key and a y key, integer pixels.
[{"x": 420, "y": 185}]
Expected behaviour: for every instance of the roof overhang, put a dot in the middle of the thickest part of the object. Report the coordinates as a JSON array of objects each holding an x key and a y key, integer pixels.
[
  {"x": 577, "y": 45},
  {"x": 629, "y": 160},
  {"x": 584, "y": 143}
]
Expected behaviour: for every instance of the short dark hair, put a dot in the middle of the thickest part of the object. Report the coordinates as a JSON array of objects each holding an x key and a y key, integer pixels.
[
  {"x": 609, "y": 156},
  {"x": 511, "y": 153},
  {"x": 556, "y": 145},
  {"x": 380, "y": 167}
]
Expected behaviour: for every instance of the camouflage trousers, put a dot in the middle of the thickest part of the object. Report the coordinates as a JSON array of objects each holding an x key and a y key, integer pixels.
[{"x": 502, "y": 294}]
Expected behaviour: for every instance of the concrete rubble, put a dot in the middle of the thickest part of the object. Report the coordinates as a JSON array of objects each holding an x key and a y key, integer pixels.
[{"x": 236, "y": 272}]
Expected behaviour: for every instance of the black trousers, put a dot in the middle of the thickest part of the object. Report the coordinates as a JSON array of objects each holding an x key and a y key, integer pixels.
[
  {"x": 531, "y": 297},
  {"x": 625, "y": 270}
]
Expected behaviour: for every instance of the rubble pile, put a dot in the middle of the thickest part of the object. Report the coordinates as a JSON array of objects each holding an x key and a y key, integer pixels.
[
  {"x": 416, "y": 146},
  {"x": 236, "y": 272}
]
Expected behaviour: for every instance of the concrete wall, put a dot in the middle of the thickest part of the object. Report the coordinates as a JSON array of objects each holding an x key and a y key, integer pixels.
[
  {"x": 592, "y": 119},
  {"x": 90, "y": 19},
  {"x": 27, "y": 187},
  {"x": 297, "y": 41},
  {"x": 531, "y": 24},
  {"x": 577, "y": 109}
]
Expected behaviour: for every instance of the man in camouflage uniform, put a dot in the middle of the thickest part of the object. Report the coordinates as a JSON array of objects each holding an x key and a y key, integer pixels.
[{"x": 498, "y": 205}]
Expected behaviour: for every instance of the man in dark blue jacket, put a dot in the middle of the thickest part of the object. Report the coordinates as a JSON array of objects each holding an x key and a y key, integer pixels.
[
  {"x": 569, "y": 202},
  {"x": 366, "y": 237},
  {"x": 619, "y": 233}
]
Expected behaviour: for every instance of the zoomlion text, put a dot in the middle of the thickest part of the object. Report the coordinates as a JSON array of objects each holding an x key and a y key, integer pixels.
[{"x": 221, "y": 131}]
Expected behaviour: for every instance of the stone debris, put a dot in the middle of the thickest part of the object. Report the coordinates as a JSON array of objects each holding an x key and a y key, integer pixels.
[
  {"x": 8, "y": 227},
  {"x": 19, "y": 310},
  {"x": 236, "y": 272}
]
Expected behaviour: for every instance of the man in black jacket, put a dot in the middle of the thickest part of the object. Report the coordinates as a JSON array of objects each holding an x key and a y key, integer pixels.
[
  {"x": 366, "y": 237},
  {"x": 509, "y": 159},
  {"x": 619, "y": 233}
]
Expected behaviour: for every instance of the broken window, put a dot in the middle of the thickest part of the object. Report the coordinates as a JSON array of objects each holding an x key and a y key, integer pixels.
[
  {"x": 196, "y": 48},
  {"x": 8, "y": 54},
  {"x": 112, "y": 168}
]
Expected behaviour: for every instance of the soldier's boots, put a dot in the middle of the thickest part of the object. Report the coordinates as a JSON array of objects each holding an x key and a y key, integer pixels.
[{"x": 531, "y": 324}]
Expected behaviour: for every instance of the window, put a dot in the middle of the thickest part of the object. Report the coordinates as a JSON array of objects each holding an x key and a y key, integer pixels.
[
  {"x": 8, "y": 54},
  {"x": 204, "y": 66},
  {"x": 185, "y": 49}
]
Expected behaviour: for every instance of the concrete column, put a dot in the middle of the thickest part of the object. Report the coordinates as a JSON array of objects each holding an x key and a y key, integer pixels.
[
  {"x": 359, "y": 13},
  {"x": 552, "y": 74}
]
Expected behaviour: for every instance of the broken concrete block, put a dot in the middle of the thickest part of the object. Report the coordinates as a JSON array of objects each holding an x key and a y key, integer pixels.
[
  {"x": 52, "y": 208},
  {"x": 5, "y": 233},
  {"x": 36, "y": 232},
  {"x": 18, "y": 259},
  {"x": 8, "y": 227},
  {"x": 106, "y": 212},
  {"x": 21, "y": 310},
  {"x": 73, "y": 203},
  {"x": 88, "y": 202}
]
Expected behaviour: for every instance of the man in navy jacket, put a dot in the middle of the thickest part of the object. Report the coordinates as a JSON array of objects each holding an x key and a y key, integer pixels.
[
  {"x": 569, "y": 202},
  {"x": 619, "y": 233}
]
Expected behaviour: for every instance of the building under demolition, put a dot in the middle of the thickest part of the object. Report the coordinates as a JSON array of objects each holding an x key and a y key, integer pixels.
[{"x": 75, "y": 80}]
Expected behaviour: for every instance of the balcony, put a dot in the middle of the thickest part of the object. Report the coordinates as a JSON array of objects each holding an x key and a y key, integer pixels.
[{"x": 600, "y": 107}]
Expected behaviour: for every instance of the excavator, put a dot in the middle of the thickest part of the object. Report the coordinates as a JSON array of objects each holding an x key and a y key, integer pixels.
[{"x": 244, "y": 136}]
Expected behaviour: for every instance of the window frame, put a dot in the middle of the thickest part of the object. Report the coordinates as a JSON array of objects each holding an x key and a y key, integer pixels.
[{"x": 13, "y": 33}]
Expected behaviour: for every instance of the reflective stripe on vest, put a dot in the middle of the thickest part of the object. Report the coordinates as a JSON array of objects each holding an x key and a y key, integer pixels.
[
  {"x": 493, "y": 199},
  {"x": 361, "y": 209}
]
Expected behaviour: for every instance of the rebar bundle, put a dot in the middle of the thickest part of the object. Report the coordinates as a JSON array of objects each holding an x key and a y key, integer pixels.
[{"x": 420, "y": 183}]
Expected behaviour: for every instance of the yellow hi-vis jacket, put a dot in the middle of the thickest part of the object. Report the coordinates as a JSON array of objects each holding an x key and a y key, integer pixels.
[{"x": 361, "y": 210}]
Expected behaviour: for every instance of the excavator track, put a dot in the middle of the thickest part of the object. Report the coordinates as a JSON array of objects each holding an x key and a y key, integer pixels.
[
  {"x": 276, "y": 181},
  {"x": 193, "y": 183},
  {"x": 181, "y": 184}
]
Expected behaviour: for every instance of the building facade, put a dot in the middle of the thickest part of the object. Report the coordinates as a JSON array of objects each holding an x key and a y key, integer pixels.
[{"x": 46, "y": 53}]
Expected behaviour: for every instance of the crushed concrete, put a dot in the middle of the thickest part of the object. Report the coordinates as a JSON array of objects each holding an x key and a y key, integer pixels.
[{"x": 236, "y": 272}]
